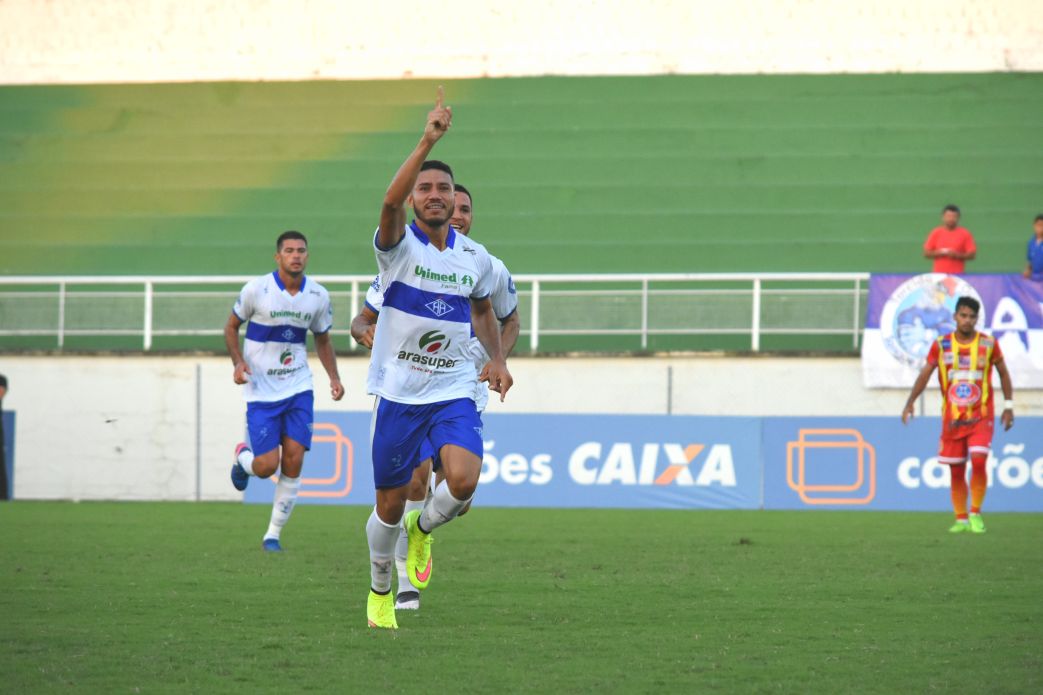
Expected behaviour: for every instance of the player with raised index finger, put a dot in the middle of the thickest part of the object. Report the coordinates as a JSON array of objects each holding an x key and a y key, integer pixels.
[{"x": 437, "y": 285}]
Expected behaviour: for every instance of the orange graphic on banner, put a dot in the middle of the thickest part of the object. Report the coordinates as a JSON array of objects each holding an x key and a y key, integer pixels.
[
  {"x": 862, "y": 490},
  {"x": 690, "y": 452},
  {"x": 344, "y": 461}
]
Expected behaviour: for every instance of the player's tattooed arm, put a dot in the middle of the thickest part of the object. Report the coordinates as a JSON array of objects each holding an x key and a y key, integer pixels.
[
  {"x": 232, "y": 345},
  {"x": 918, "y": 387},
  {"x": 393, "y": 212}
]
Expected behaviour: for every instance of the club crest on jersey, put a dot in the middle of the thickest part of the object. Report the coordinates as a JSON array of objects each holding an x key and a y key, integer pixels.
[
  {"x": 432, "y": 342},
  {"x": 439, "y": 307},
  {"x": 964, "y": 393},
  {"x": 288, "y": 334}
]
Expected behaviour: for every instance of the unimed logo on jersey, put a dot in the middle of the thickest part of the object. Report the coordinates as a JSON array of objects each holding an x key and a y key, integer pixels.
[{"x": 449, "y": 278}]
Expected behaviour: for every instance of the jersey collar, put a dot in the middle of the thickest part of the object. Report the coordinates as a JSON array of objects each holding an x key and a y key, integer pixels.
[
  {"x": 281, "y": 286},
  {"x": 450, "y": 238}
]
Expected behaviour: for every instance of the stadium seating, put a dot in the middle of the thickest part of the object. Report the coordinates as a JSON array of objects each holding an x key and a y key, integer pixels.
[{"x": 642, "y": 174}]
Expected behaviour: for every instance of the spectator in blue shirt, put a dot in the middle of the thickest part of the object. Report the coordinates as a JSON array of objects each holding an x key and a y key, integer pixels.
[{"x": 1034, "y": 268}]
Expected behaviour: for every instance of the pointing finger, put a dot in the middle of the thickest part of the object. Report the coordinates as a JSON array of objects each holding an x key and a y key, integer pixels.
[{"x": 441, "y": 97}]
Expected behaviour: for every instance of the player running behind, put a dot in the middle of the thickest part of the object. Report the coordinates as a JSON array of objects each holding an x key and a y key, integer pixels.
[
  {"x": 964, "y": 359},
  {"x": 438, "y": 284},
  {"x": 505, "y": 304},
  {"x": 279, "y": 308}
]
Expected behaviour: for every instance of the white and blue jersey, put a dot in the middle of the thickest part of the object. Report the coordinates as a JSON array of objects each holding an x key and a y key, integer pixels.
[
  {"x": 504, "y": 299},
  {"x": 276, "y": 332},
  {"x": 421, "y": 350}
]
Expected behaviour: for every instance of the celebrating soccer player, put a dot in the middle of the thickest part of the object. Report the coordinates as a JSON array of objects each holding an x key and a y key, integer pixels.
[
  {"x": 965, "y": 359},
  {"x": 504, "y": 299},
  {"x": 437, "y": 285},
  {"x": 279, "y": 309}
]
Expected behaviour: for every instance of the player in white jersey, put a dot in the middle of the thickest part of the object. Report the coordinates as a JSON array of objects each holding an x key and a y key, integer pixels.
[
  {"x": 437, "y": 286},
  {"x": 279, "y": 310},
  {"x": 504, "y": 299}
]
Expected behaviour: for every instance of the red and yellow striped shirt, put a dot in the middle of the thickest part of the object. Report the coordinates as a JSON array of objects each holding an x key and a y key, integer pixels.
[{"x": 965, "y": 377}]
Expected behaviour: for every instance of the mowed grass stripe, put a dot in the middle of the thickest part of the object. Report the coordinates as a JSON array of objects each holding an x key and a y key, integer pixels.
[{"x": 179, "y": 596}]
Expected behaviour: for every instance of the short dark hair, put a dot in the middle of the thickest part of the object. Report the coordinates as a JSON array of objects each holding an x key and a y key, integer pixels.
[
  {"x": 969, "y": 302},
  {"x": 951, "y": 208},
  {"x": 1039, "y": 218},
  {"x": 460, "y": 188},
  {"x": 438, "y": 165},
  {"x": 291, "y": 234}
]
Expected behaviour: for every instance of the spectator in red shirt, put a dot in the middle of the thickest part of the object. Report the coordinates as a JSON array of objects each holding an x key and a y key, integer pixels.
[{"x": 950, "y": 245}]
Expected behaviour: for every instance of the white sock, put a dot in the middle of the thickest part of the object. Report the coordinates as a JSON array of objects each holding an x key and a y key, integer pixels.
[
  {"x": 401, "y": 547},
  {"x": 246, "y": 460},
  {"x": 285, "y": 497},
  {"x": 441, "y": 507},
  {"x": 382, "y": 539}
]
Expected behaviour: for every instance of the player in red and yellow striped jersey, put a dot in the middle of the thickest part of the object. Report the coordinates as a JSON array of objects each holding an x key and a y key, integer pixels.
[{"x": 965, "y": 359}]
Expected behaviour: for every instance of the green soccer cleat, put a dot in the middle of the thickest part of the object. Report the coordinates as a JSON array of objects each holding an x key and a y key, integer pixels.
[
  {"x": 380, "y": 609},
  {"x": 960, "y": 527},
  {"x": 977, "y": 524},
  {"x": 418, "y": 558}
]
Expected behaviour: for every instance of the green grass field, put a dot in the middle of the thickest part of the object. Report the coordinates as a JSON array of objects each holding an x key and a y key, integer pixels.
[{"x": 130, "y": 597}]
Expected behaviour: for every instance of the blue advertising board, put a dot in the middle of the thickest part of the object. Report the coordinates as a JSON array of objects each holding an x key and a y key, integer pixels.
[
  {"x": 563, "y": 461},
  {"x": 621, "y": 461},
  {"x": 688, "y": 462},
  {"x": 877, "y": 463}
]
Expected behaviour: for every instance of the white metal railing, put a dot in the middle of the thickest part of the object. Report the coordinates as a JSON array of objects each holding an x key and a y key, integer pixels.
[{"x": 623, "y": 304}]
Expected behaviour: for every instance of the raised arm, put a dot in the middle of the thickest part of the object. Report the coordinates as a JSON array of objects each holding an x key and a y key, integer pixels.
[
  {"x": 918, "y": 387},
  {"x": 393, "y": 213}
]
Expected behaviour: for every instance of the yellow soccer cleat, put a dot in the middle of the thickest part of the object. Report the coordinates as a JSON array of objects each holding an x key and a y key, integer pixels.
[
  {"x": 977, "y": 524},
  {"x": 380, "y": 609},
  {"x": 418, "y": 558},
  {"x": 960, "y": 527}
]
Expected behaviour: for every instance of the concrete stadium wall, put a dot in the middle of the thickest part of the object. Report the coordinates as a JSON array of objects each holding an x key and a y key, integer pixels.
[
  {"x": 126, "y": 41},
  {"x": 129, "y": 427}
]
